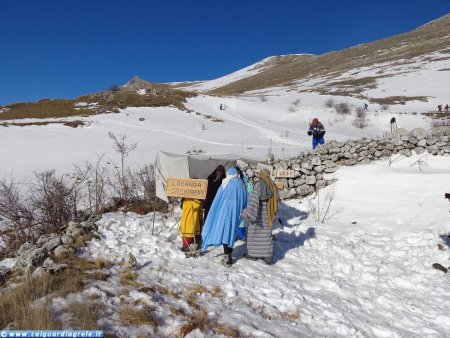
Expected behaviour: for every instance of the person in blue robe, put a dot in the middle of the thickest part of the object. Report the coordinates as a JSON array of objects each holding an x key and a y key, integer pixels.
[{"x": 222, "y": 223}]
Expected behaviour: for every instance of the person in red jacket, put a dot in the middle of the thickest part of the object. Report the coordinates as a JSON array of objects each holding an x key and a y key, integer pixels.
[{"x": 317, "y": 131}]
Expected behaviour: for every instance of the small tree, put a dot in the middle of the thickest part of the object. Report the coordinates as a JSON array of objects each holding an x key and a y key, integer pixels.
[{"x": 121, "y": 146}]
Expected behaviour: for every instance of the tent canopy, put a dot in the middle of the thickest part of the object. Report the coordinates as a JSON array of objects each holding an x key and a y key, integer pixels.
[{"x": 188, "y": 166}]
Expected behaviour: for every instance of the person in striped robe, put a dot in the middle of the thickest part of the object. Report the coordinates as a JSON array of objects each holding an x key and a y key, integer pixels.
[{"x": 261, "y": 210}]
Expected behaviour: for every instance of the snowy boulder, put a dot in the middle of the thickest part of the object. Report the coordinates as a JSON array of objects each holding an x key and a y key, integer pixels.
[
  {"x": 432, "y": 140},
  {"x": 307, "y": 166},
  {"x": 33, "y": 257},
  {"x": 319, "y": 169},
  {"x": 39, "y": 273},
  {"x": 422, "y": 143},
  {"x": 419, "y": 133},
  {"x": 350, "y": 162},
  {"x": 66, "y": 239},
  {"x": 286, "y": 193},
  {"x": 315, "y": 161},
  {"x": 296, "y": 167},
  {"x": 334, "y": 150},
  {"x": 77, "y": 232},
  {"x": 399, "y": 133},
  {"x": 413, "y": 140},
  {"x": 406, "y": 152},
  {"x": 49, "y": 242},
  {"x": 62, "y": 251},
  {"x": 443, "y": 130},
  {"x": 51, "y": 266},
  {"x": 331, "y": 170},
  {"x": 304, "y": 190},
  {"x": 310, "y": 180},
  {"x": 241, "y": 164}
]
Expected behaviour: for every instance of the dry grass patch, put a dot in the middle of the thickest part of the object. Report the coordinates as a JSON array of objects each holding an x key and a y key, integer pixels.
[
  {"x": 15, "y": 303},
  {"x": 397, "y": 99},
  {"x": 200, "y": 320},
  {"x": 85, "y": 315},
  {"x": 128, "y": 277},
  {"x": 138, "y": 316},
  {"x": 73, "y": 124},
  {"x": 106, "y": 102},
  {"x": 16, "y": 309}
]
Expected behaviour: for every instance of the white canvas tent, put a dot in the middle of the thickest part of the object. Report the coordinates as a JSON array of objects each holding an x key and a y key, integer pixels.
[{"x": 186, "y": 166}]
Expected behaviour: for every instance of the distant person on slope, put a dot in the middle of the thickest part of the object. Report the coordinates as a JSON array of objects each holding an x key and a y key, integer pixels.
[
  {"x": 261, "y": 210},
  {"x": 446, "y": 108},
  {"x": 222, "y": 224},
  {"x": 366, "y": 106},
  {"x": 214, "y": 182},
  {"x": 317, "y": 131},
  {"x": 440, "y": 108}
]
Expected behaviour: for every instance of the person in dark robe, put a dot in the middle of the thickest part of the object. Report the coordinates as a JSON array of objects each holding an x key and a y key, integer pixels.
[{"x": 214, "y": 182}]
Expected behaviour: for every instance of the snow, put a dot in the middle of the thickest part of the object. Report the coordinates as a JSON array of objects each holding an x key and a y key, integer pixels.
[{"x": 365, "y": 272}]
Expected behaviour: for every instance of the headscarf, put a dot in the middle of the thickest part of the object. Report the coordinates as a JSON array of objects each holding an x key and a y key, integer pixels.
[
  {"x": 231, "y": 173},
  {"x": 272, "y": 203}
]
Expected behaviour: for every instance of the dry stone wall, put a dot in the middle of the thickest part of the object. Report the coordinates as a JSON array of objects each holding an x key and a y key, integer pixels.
[{"x": 311, "y": 166}]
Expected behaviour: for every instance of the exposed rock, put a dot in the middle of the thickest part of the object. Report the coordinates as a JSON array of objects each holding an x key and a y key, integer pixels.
[
  {"x": 310, "y": 180},
  {"x": 39, "y": 272},
  {"x": 33, "y": 257},
  {"x": 419, "y": 133},
  {"x": 304, "y": 190},
  {"x": 49, "y": 242},
  {"x": 67, "y": 239},
  {"x": 438, "y": 266},
  {"x": 62, "y": 251},
  {"x": 52, "y": 267}
]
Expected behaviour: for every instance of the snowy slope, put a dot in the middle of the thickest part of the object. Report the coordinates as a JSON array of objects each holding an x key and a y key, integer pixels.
[
  {"x": 365, "y": 272},
  {"x": 250, "y": 127}
]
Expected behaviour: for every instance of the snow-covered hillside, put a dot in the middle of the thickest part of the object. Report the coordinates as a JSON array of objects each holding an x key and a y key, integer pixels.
[{"x": 365, "y": 272}]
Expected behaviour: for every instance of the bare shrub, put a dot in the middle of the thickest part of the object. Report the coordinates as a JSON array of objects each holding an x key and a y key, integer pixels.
[
  {"x": 330, "y": 103},
  {"x": 16, "y": 210},
  {"x": 296, "y": 103},
  {"x": 343, "y": 108},
  {"x": 384, "y": 106},
  {"x": 292, "y": 109},
  {"x": 54, "y": 199},
  {"x": 121, "y": 146},
  {"x": 360, "y": 120},
  {"x": 263, "y": 98},
  {"x": 38, "y": 208},
  {"x": 420, "y": 163}
]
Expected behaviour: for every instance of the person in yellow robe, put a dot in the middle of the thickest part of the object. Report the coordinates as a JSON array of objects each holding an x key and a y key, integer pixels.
[{"x": 191, "y": 222}]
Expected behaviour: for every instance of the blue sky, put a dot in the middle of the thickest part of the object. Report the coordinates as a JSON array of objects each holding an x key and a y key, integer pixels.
[{"x": 66, "y": 48}]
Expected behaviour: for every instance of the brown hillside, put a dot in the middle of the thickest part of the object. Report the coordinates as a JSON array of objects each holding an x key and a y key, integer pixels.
[{"x": 399, "y": 49}]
